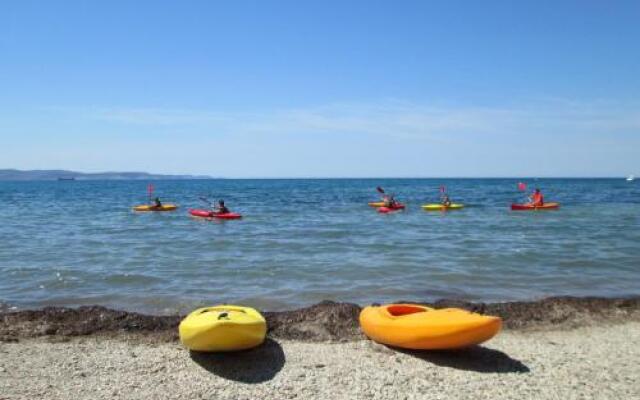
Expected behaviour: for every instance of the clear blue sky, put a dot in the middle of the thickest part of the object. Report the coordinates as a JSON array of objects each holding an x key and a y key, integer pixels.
[{"x": 322, "y": 89}]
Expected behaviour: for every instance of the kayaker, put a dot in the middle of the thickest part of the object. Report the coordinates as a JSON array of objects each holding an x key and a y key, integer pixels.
[
  {"x": 221, "y": 208},
  {"x": 389, "y": 201},
  {"x": 537, "y": 199},
  {"x": 446, "y": 201},
  {"x": 157, "y": 203}
]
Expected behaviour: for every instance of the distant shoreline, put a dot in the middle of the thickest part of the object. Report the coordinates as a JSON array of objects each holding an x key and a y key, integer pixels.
[
  {"x": 13, "y": 175},
  {"x": 325, "y": 321},
  {"x": 66, "y": 175}
]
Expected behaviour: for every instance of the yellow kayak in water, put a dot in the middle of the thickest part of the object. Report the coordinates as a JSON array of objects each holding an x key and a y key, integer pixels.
[
  {"x": 147, "y": 207},
  {"x": 376, "y": 204},
  {"x": 440, "y": 207},
  {"x": 223, "y": 328}
]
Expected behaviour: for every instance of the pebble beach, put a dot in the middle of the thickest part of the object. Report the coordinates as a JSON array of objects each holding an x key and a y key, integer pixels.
[
  {"x": 331, "y": 200},
  {"x": 586, "y": 363},
  {"x": 563, "y": 356}
]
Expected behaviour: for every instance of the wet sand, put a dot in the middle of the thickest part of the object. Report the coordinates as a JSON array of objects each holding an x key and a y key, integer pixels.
[{"x": 566, "y": 349}]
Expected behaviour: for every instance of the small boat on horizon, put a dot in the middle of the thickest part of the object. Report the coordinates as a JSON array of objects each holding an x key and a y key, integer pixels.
[
  {"x": 630, "y": 178},
  {"x": 68, "y": 178}
]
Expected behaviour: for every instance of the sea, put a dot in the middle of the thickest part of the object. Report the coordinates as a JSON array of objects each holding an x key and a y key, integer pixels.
[{"x": 301, "y": 241}]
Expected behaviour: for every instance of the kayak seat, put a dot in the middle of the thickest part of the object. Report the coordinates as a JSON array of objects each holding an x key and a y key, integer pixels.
[{"x": 404, "y": 309}]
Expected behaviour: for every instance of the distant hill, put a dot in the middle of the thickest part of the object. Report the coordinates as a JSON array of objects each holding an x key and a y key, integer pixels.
[{"x": 56, "y": 174}]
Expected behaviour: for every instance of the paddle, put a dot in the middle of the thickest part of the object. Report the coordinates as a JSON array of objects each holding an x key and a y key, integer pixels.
[
  {"x": 443, "y": 191},
  {"x": 523, "y": 188},
  {"x": 152, "y": 203},
  {"x": 381, "y": 190},
  {"x": 150, "y": 189},
  {"x": 210, "y": 204},
  {"x": 391, "y": 196}
]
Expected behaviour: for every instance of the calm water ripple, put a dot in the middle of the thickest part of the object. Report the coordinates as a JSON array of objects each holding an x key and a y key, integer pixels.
[{"x": 302, "y": 241}]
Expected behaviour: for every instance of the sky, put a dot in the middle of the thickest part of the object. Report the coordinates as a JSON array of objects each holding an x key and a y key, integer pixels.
[{"x": 322, "y": 88}]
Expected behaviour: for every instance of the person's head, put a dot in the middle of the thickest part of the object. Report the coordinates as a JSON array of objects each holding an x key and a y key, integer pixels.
[
  {"x": 537, "y": 190},
  {"x": 221, "y": 203},
  {"x": 157, "y": 198}
]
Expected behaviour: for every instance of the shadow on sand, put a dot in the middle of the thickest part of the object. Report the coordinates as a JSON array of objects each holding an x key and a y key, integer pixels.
[
  {"x": 251, "y": 366},
  {"x": 478, "y": 359}
]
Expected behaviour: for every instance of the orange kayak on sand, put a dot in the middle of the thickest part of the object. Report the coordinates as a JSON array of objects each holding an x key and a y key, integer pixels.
[{"x": 412, "y": 326}]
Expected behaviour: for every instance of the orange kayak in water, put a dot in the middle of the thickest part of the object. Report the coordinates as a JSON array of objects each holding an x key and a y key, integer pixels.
[
  {"x": 531, "y": 207},
  {"x": 412, "y": 326}
]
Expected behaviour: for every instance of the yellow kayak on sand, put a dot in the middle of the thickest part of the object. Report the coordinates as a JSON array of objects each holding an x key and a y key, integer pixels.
[
  {"x": 412, "y": 326},
  {"x": 223, "y": 328},
  {"x": 441, "y": 207},
  {"x": 148, "y": 207}
]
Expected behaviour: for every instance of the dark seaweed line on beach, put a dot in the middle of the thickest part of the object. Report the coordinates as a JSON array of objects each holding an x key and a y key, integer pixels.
[{"x": 325, "y": 321}]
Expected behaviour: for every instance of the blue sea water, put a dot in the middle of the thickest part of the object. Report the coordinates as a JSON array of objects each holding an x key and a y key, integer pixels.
[{"x": 302, "y": 241}]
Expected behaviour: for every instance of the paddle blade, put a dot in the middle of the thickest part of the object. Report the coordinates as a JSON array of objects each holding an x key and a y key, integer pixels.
[
  {"x": 522, "y": 186},
  {"x": 443, "y": 189},
  {"x": 380, "y": 190}
]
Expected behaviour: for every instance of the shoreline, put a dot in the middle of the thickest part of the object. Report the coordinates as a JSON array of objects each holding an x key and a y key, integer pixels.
[{"x": 323, "y": 322}]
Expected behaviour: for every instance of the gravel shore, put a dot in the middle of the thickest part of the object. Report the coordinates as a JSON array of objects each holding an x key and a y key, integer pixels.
[{"x": 591, "y": 362}]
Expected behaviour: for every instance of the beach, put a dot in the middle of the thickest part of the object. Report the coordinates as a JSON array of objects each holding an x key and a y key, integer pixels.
[
  {"x": 559, "y": 348},
  {"x": 319, "y": 200}
]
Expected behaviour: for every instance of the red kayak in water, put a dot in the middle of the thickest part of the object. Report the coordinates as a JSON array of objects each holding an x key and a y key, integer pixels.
[
  {"x": 395, "y": 207},
  {"x": 211, "y": 214},
  {"x": 531, "y": 207}
]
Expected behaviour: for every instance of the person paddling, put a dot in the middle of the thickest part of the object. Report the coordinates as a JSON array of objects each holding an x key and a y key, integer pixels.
[
  {"x": 389, "y": 200},
  {"x": 221, "y": 208},
  {"x": 537, "y": 199},
  {"x": 157, "y": 203},
  {"x": 446, "y": 201}
]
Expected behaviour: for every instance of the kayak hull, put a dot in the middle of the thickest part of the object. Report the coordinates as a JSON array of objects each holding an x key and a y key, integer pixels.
[
  {"x": 222, "y": 328},
  {"x": 440, "y": 207},
  {"x": 530, "y": 207},
  {"x": 376, "y": 204},
  {"x": 416, "y": 327},
  {"x": 211, "y": 214},
  {"x": 147, "y": 207},
  {"x": 385, "y": 210}
]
